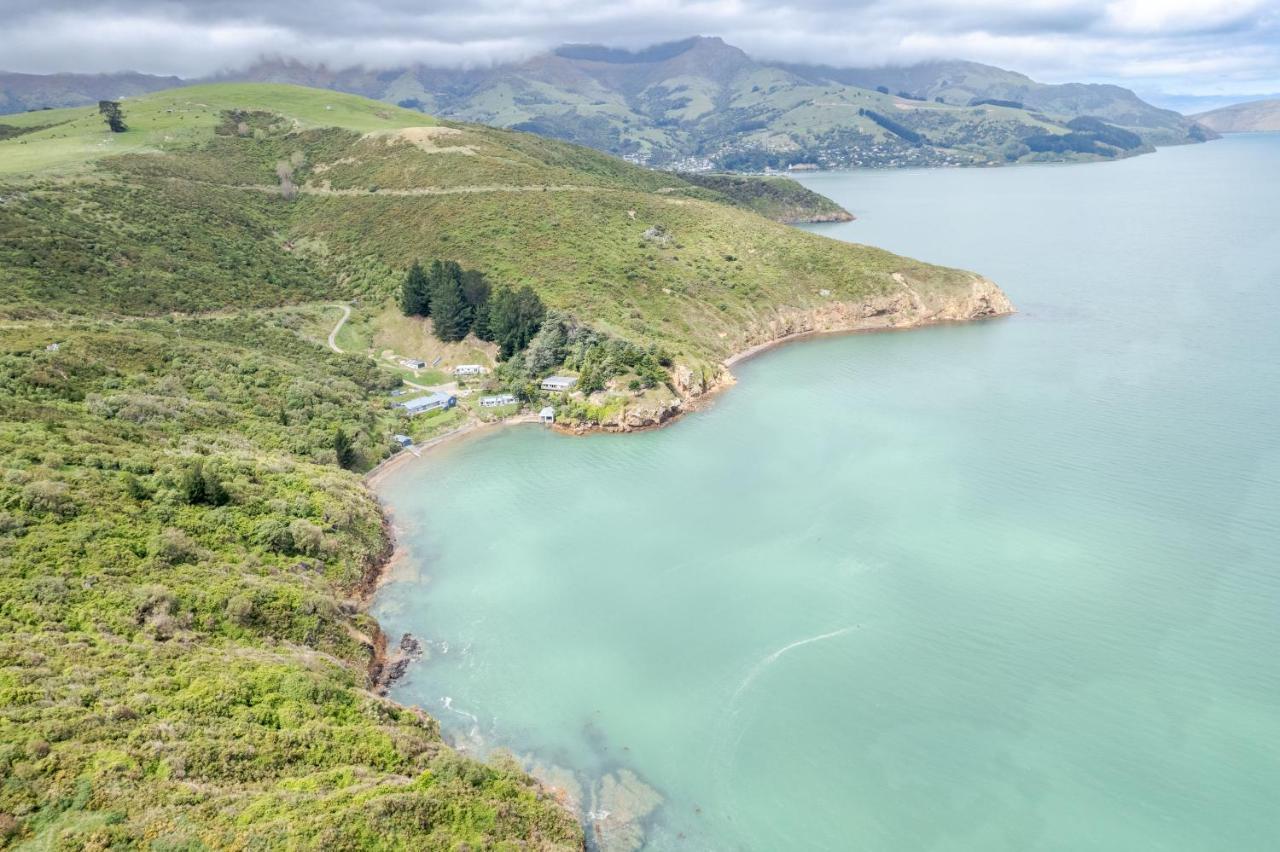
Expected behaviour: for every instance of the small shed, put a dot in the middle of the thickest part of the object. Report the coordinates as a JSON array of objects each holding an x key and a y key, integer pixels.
[
  {"x": 431, "y": 402},
  {"x": 413, "y": 363},
  {"x": 468, "y": 370},
  {"x": 558, "y": 384},
  {"x": 547, "y": 415}
]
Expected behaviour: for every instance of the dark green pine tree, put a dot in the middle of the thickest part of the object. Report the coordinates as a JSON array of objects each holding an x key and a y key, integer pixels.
[
  {"x": 514, "y": 318},
  {"x": 343, "y": 449},
  {"x": 480, "y": 325},
  {"x": 415, "y": 294},
  {"x": 476, "y": 290},
  {"x": 450, "y": 313}
]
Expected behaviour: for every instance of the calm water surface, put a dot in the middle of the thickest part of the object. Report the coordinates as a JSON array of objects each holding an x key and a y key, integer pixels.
[{"x": 1010, "y": 585}]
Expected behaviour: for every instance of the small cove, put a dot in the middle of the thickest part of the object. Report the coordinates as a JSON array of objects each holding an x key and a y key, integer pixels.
[{"x": 1002, "y": 585}]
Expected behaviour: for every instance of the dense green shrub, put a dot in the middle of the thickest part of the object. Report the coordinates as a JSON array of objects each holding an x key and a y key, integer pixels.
[{"x": 176, "y": 660}]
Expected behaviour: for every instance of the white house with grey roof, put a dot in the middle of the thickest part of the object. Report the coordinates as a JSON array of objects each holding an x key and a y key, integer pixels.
[
  {"x": 464, "y": 370},
  {"x": 559, "y": 384},
  {"x": 497, "y": 400}
]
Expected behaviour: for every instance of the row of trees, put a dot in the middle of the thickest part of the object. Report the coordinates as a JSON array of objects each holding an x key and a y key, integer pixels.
[
  {"x": 461, "y": 301},
  {"x": 893, "y": 127}
]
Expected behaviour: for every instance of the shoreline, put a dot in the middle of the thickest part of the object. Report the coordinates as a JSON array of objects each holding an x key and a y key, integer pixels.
[
  {"x": 388, "y": 661},
  {"x": 687, "y": 405}
]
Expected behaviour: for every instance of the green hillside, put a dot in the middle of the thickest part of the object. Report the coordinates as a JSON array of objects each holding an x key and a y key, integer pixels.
[
  {"x": 185, "y": 539},
  {"x": 702, "y": 104},
  {"x": 1250, "y": 117},
  {"x": 184, "y": 212},
  {"x": 958, "y": 83}
]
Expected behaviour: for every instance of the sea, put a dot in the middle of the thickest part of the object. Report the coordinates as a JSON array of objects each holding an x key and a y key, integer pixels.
[{"x": 1005, "y": 585}]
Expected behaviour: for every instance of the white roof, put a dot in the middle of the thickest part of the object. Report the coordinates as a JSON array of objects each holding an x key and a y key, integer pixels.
[{"x": 547, "y": 412}]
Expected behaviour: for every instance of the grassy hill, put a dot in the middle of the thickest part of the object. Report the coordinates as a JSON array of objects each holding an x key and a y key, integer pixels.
[
  {"x": 700, "y": 103},
  {"x": 1251, "y": 117},
  {"x": 184, "y": 212},
  {"x": 185, "y": 541}
]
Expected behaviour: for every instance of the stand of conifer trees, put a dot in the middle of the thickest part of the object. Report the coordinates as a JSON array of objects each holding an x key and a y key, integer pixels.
[{"x": 461, "y": 301}]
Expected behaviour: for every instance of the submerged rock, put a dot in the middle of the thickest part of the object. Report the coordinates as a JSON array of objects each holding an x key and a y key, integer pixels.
[{"x": 619, "y": 805}]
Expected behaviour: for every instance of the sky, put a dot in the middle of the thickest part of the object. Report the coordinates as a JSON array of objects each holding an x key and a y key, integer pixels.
[{"x": 1190, "y": 48}]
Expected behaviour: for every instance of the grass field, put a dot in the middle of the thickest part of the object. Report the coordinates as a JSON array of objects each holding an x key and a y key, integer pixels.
[{"x": 178, "y": 119}]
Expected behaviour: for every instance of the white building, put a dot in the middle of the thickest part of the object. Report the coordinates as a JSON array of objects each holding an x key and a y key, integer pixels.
[
  {"x": 412, "y": 363},
  {"x": 495, "y": 401},
  {"x": 558, "y": 384},
  {"x": 469, "y": 370},
  {"x": 547, "y": 415}
]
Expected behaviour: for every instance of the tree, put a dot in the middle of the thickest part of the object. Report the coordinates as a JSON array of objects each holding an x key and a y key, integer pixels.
[
  {"x": 112, "y": 115},
  {"x": 475, "y": 287},
  {"x": 476, "y": 290},
  {"x": 450, "y": 313},
  {"x": 514, "y": 318},
  {"x": 480, "y": 326},
  {"x": 200, "y": 486},
  {"x": 415, "y": 294},
  {"x": 343, "y": 449}
]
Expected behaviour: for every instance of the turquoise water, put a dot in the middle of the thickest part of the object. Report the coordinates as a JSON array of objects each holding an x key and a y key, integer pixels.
[{"x": 1008, "y": 585}]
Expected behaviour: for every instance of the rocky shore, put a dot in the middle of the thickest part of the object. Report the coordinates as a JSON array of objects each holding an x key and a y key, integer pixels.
[{"x": 907, "y": 308}]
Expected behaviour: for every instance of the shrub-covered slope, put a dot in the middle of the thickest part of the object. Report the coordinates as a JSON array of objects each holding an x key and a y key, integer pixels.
[{"x": 180, "y": 663}]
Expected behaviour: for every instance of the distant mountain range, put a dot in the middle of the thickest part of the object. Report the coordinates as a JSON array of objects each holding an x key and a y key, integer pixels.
[
  {"x": 701, "y": 104},
  {"x": 1243, "y": 118}
]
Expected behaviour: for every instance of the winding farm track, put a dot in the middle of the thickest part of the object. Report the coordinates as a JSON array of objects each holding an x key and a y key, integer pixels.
[
  {"x": 307, "y": 189},
  {"x": 333, "y": 335}
]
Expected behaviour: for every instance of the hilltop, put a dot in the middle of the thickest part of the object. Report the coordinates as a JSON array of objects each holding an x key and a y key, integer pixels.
[
  {"x": 1251, "y": 117},
  {"x": 700, "y": 104},
  {"x": 185, "y": 538}
]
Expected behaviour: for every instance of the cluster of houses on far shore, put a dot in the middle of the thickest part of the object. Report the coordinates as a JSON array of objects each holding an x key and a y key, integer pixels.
[{"x": 443, "y": 401}]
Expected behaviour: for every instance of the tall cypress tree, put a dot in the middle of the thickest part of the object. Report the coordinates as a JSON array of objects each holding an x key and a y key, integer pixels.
[
  {"x": 415, "y": 295},
  {"x": 480, "y": 322},
  {"x": 514, "y": 318},
  {"x": 450, "y": 313},
  {"x": 476, "y": 290}
]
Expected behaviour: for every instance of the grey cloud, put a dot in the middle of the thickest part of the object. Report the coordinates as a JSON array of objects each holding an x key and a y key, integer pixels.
[{"x": 1160, "y": 45}]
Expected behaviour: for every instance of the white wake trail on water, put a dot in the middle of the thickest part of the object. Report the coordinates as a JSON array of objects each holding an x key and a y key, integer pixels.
[
  {"x": 776, "y": 655},
  {"x": 729, "y": 731}
]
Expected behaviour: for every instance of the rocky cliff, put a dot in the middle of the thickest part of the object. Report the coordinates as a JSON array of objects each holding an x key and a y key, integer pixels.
[{"x": 906, "y": 308}]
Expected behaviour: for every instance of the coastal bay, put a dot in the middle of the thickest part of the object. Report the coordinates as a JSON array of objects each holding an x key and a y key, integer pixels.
[{"x": 976, "y": 586}]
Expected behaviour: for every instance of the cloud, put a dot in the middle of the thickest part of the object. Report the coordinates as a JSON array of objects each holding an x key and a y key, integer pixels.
[{"x": 1169, "y": 45}]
